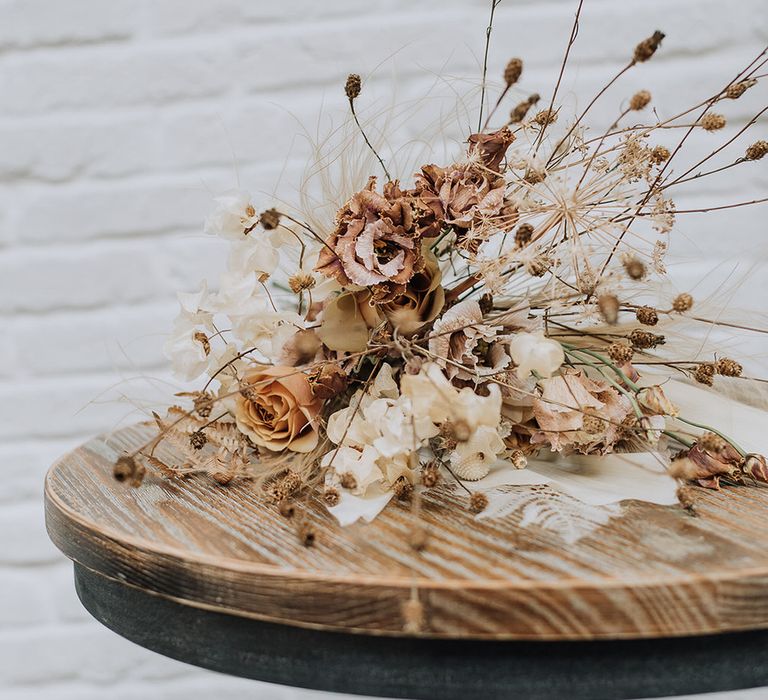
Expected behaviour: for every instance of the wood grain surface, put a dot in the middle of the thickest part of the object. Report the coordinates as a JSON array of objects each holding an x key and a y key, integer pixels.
[{"x": 653, "y": 571}]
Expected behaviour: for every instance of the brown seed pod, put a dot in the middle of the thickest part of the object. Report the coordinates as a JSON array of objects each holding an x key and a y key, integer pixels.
[
  {"x": 640, "y": 100},
  {"x": 647, "y": 315},
  {"x": 620, "y": 353},
  {"x": 301, "y": 282},
  {"x": 757, "y": 150},
  {"x": 660, "y": 154},
  {"x": 348, "y": 480},
  {"x": 644, "y": 340},
  {"x": 704, "y": 373},
  {"x": 728, "y": 367},
  {"x": 270, "y": 219},
  {"x": 198, "y": 439},
  {"x": 608, "y": 305},
  {"x": 682, "y": 302},
  {"x": 646, "y": 48},
  {"x": 712, "y": 122},
  {"x": 513, "y": 71},
  {"x": 353, "y": 86},
  {"x": 331, "y": 497},
  {"x": 523, "y": 235},
  {"x": 520, "y": 110},
  {"x": 634, "y": 268},
  {"x": 478, "y": 502}
]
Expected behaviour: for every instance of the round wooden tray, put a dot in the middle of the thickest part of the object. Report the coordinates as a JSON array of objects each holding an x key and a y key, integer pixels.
[{"x": 651, "y": 572}]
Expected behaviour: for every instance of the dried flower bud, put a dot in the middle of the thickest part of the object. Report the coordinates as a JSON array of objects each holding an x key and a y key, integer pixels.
[
  {"x": 430, "y": 476},
  {"x": 125, "y": 468},
  {"x": 608, "y": 305},
  {"x": 198, "y": 439},
  {"x": 634, "y": 268},
  {"x": 647, "y": 315},
  {"x": 520, "y": 110},
  {"x": 478, "y": 502},
  {"x": 728, "y": 367},
  {"x": 644, "y": 340},
  {"x": 329, "y": 381},
  {"x": 538, "y": 266},
  {"x": 686, "y": 497},
  {"x": 659, "y": 154},
  {"x": 682, "y": 302},
  {"x": 413, "y": 616},
  {"x": 306, "y": 533},
  {"x": 270, "y": 219},
  {"x": 513, "y": 71},
  {"x": 348, "y": 481},
  {"x": 486, "y": 303},
  {"x": 286, "y": 508},
  {"x": 518, "y": 459},
  {"x": 291, "y": 482},
  {"x": 757, "y": 150},
  {"x": 545, "y": 117},
  {"x": 620, "y": 353},
  {"x": 331, "y": 497},
  {"x": 402, "y": 488},
  {"x": 646, "y": 48},
  {"x": 704, "y": 373},
  {"x": 712, "y": 122},
  {"x": 738, "y": 89},
  {"x": 640, "y": 100},
  {"x": 712, "y": 443},
  {"x": 301, "y": 282},
  {"x": 523, "y": 235},
  {"x": 202, "y": 338},
  {"x": 353, "y": 86}
]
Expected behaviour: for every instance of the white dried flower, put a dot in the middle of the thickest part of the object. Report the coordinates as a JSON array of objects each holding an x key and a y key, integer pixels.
[{"x": 534, "y": 352}]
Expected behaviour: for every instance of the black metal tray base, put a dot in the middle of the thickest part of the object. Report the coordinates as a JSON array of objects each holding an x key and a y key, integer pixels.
[{"x": 425, "y": 669}]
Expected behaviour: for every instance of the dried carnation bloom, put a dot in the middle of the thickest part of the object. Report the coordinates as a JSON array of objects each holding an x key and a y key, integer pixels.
[
  {"x": 375, "y": 241},
  {"x": 707, "y": 465},
  {"x": 277, "y": 409}
]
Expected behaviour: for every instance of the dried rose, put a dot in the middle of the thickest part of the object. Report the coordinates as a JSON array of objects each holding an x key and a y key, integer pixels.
[
  {"x": 328, "y": 381},
  {"x": 276, "y": 409},
  {"x": 375, "y": 240},
  {"x": 654, "y": 400},
  {"x": 491, "y": 147}
]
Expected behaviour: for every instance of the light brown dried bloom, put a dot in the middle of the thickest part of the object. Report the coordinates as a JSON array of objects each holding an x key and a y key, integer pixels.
[
  {"x": 659, "y": 154},
  {"x": 736, "y": 90},
  {"x": 329, "y": 381},
  {"x": 646, "y": 48},
  {"x": 348, "y": 481},
  {"x": 704, "y": 373},
  {"x": 478, "y": 502},
  {"x": 198, "y": 439},
  {"x": 645, "y": 339},
  {"x": 682, "y": 302},
  {"x": 647, "y": 315},
  {"x": 634, "y": 268},
  {"x": 430, "y": 475},
  {"x": 608, "y": 305},
  {"x": 545, "y": 117},
  {"x": 301, "y": 282},
  {"x": 353, "y": 86},
  {"x": 520, "y": 110},
  {"x": 513, "y": 71},
  {"x": 712, "y": 122},
  {"x": 620, "y": 353},
  {"x": 270, "y": 219},
  {"x": 523, "y": 235},
  {"x": 640, "y": 100},
  {"x": 757, "y": 150},
  {"x": 331, "y": 497},
  {"x": 728, "y": 367}
]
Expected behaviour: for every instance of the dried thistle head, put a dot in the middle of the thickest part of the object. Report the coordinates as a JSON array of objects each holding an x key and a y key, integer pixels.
[
  {"x": 520, "y": 110},
  {"x": 640, "y": 100},
  {"x": 682, "y": 302},
  {"x": 620, "y": 353},
  {"x": 705, "y": 373},
  {"x": 645, "y": 340},
  {"x": 478, "y": 502},
  {"x": 728, "y": 368},
  {"x": 647, "y": 315},
  {"x": 646, "y": 48},
  {"x": 269, "y": 219},
  {"x": 198, "y": 440},
  {"x": 513, "y": 71},
  {"x": 659, "y": 154},
  {"x": 712, "y": 122},
  {"x": 757, "y": 150},
  {"x": 736, "y": 90},
  {"x": 353, "y": 86}
]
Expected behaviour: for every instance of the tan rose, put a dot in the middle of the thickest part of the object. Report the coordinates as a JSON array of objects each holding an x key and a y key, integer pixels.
[{"x": 277, "y": 409}]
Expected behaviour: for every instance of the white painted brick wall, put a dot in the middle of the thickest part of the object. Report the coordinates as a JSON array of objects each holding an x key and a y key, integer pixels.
[{"x": 117, "y": 121}]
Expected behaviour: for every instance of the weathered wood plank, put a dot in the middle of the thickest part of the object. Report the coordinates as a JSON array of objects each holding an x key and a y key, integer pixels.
[{"x": 653, "y": 571}]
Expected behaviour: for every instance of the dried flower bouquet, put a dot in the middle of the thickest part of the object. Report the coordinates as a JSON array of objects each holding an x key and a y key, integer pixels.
[{"x": 466, "y": 322}]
